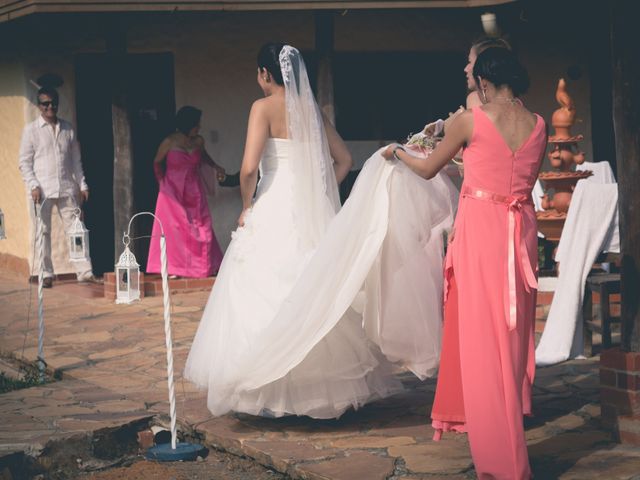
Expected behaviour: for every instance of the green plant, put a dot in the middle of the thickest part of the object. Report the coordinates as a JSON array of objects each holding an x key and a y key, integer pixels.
[{"x": 29, "y": 377}]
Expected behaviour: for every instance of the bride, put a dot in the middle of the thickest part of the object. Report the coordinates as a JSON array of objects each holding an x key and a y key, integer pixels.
[{"x": 308, "y": 309}]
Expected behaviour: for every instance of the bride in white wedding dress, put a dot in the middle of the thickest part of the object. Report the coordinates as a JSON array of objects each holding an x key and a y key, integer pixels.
[{"x": 309, "y": 309}]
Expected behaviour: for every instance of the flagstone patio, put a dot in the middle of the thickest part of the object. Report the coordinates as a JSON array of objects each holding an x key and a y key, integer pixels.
[{"x": 113, "y": 365}]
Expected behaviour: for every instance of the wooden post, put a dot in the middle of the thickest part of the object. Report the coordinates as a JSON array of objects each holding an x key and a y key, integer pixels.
[
  {"x": 600, "y": 76},
  {"x": 620, "y": 367},
  {"x": 324, "y": 49},
  {"x": 122, "y": 147},
  {"x": 625, "y": 43}
]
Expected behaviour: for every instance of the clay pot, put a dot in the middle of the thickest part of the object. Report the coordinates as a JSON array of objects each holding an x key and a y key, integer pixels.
[
  {"x": 578, "y": 158},
  {"x": 561, "y": 201},
  {"x": 554, "y": 158},
  {"x": 546, "y": 203},
  {"x": 562, "y": 119},
  {"x": 566, "y": 156}
]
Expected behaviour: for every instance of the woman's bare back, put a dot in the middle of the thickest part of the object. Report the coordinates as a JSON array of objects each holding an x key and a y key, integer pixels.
[
  {"x": 275, "y": 111},
  {"x": 514, "y": 123}
]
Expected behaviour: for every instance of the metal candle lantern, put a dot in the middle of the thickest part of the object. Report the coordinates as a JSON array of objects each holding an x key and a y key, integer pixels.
[
  {"x": 127, "y": 272},
  {"x": 78, "y": 240}
]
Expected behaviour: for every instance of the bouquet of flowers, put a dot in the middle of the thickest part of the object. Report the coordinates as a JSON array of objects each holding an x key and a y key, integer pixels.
[{"x": 426, "y": 140}]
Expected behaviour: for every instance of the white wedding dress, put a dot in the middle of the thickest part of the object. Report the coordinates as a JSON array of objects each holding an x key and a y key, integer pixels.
[{"x": 307, "y": 324}]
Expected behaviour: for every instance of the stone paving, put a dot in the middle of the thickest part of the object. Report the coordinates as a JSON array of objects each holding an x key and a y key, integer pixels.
[{"x": 113, "y": 365}]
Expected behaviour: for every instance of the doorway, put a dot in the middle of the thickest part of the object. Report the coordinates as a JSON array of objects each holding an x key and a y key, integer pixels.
[{"x": 150, "y": 94}]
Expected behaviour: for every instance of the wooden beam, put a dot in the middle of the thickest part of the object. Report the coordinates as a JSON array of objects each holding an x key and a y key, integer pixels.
[
  {"x": 122, "y": 146},
  {"x": 10, "y": 10},
  {"x": 602, "y": 135},
  {"x": 625, "y": 50}
]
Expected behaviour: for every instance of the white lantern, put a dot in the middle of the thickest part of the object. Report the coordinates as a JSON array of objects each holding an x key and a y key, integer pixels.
[
  {"x": 78, "y": 240},
  {"x": 490, "y": 24},
  {"x": 127, "y": 273},
  {"x": 2, "y": 232}
]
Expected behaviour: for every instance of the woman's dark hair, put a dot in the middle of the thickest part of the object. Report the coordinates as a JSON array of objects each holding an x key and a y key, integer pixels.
[
  {"x": 50, "y": 92},
  {"x": 501, "y": 67},
  {"x": 187, "y": 118},
  {"x": 269, "y": 59}
]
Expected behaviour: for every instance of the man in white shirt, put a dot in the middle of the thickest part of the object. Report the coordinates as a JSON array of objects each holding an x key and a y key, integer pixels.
[{"x": 51, "y": 169}]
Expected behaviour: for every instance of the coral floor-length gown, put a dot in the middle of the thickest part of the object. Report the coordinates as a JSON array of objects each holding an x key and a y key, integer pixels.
[{"x": 487, "y": 363}]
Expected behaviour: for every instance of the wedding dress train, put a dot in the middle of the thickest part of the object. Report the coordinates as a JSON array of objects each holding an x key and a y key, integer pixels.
[
  {"x": 311, "y": 332},
  {"x": 309, "y": 308}
]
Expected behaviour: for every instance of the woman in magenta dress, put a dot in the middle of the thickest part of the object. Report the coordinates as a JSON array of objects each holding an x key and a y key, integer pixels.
[
  {"x": 192, "y": 248},
  {"x": 487, "y": 364}
]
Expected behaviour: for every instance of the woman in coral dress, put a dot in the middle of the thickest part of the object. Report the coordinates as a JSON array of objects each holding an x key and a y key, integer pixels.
[
  {"x": 192, "y": 248},
  {"x": 487, "y": 363}
]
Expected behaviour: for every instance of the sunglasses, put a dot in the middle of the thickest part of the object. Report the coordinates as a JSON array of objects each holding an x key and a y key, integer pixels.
[{"x": 48, "y": 104}]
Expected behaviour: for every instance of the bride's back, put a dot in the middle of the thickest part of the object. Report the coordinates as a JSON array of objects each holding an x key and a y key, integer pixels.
[{"x": 275, "y": 110}]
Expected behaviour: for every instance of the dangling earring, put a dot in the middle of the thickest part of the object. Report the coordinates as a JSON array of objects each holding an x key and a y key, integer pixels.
[{"x": 484, "y": 94}]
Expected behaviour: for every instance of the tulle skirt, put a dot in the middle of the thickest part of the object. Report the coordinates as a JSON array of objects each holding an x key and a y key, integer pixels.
[{"x": 313, "y": 332}]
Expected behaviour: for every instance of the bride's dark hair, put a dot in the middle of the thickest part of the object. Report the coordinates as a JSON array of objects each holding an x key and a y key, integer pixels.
[
  {"x": 501, "y": 67},
  {"x": 269, "y": 59}
]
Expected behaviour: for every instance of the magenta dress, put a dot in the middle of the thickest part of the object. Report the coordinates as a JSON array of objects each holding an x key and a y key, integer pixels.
[
  {"x": 487, "y": 363},
  {"x": 192, "y": 248}
]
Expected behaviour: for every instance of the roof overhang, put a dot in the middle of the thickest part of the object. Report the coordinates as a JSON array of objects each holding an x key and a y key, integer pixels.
[{"x": 10, "y": 10}]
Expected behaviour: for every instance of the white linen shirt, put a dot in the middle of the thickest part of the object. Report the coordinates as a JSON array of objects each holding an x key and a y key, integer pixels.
[{"x": 50, "y": 159}]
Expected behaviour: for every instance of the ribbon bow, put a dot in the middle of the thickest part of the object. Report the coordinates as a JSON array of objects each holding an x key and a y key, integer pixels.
[{"x": 516, "y": 246}]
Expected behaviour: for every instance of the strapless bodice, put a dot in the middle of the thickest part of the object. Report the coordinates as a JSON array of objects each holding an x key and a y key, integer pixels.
[
  {"x": 276, "y": 175},
  {"x": 181, "y": 159},
  {"x": 275, "y": 155}
]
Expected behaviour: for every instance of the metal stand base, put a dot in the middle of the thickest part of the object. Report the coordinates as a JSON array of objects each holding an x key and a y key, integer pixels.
[{"x": 183, "y": 452}]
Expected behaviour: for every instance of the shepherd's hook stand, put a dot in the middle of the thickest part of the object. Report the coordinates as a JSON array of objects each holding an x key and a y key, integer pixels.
[{"x": 174, "y": 451}]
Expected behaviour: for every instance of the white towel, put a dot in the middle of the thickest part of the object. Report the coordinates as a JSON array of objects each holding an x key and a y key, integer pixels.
[
  {"x": 602, "y": 172},
  {"x": 591, "y": 227},
  {"x": 537, "y": 194}
]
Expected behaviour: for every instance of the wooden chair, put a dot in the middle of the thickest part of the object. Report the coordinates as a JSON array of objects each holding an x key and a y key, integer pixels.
[{"x": 605, "y": 285}]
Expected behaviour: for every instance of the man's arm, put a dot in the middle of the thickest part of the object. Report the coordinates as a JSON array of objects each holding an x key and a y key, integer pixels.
[
  {"x": 76, "y": 163},
  {"x": 25, "y": 159}
]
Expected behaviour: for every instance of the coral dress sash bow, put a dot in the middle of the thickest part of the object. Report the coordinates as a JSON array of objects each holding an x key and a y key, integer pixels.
[{"x": 517, "y": 250}]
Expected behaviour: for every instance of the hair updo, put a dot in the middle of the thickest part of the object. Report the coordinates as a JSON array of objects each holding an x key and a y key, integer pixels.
[
  {"x": 269, "y": 59},
  {"x": 501, "y": 67},
  {"x": 187, "y": 118}
]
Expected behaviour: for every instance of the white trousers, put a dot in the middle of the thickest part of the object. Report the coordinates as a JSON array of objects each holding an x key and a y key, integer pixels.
[{"x": 66, "y": 207}]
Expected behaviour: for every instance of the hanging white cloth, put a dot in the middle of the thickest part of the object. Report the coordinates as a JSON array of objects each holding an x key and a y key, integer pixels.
[
  {"x": 591, "y": 227},
  {"x": 602, "y": 172}
]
